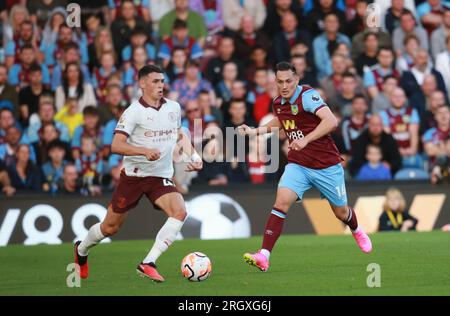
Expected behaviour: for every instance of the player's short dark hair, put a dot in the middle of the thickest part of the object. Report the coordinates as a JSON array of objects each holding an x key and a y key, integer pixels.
[
  {"x": 90, "y": 110},
  {"x": 285, "y": 66},
  {"x": 179, "y": 24},
  {"x": 148, "y": 69},
  {"x": 35, "y": 67},
  {"x": 56, "y": 143}
]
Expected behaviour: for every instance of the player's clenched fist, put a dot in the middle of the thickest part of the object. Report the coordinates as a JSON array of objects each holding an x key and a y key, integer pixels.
[{"x": 152, "y": 154}]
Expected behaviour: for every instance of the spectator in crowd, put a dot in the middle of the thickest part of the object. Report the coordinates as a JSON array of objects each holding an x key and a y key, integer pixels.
[
  {"x": 5, "y": 181},
  {"x": 234, "y": 10},
  {"x": 420, "y": 100},
  {"x": 125, "y": 24},
  {"x": 8, "y": 94},
  {"x": 431, "y": 13},
  {"x": 91, "y": 128},
  {"x": 24, "y": 175},
  {"x": 179, "y": 38},
  {"x": 142, "y": 8},
  {"x": 408, "y": 26},
  {"x": 8, "y": 149},
  {"x": 332, "y": 84},
  {"x": 441, "y": 171},
  {"x": 358, "y": 45},
  {"x": 413, "y": 79},
  {"x": 393, "y": 14},
  {"x": 73, "y": 85},
  {"x": 54, "y": 51},
  {"x": 276, "y": 10},
  {"x": 357, "y": 23},
  {"x": 103, "y": 42},
  {"x": 230, "y": 75},
  {"x": 405, "y": 60},
  {"x": 195, "y": 22},
  {"x": 159, "y": 8},
  {"x": 29, "y": 96},
  {"x": 177, "y": 64},
  {"x": 263, "y": 102},
  {"x": 382, "y": 101},
  {"x": 57, "y": 17},
  {"x": 130, "y": 76},
  {"x": 89, "y": 166},
  {"x": 356, "y": 123},
  {"x": 70, "y": 183},
  {"x": 71, "y": 54},
  {"x": 375, "y": 75},
  {"x": 210, "y": 110},
  {"x": 443, "y": 63},
  {"x": 214, "y": 68},
  {"x": 47, "y": 134},
  {"x": 395, "y": 217},
  {"x": 368, "y": 57},
  {"x": 289, "y": 36},
  {"x": 316, "y": 19},
  {"x": 258, "y": 84},
  {"x": 41, "y": 10},
  {"x": 101, "y": 75},
  {"x": 6, "y": 121},
  {"x": 93, "y": 23},
  {"x": 304, "y": 71},
  {"x": 70, "y": 115},
  {"x": 373, "y": 169},
  {"x": 17, "y": 16},
  {"x": 212, "y": 12},
  {"x": 433, "y": 139},
  {"x": 427, "y": 120},
  {"x": 345, "y": 95},
  {"x": 19, "y": 74},
  {"x": 248, "y": 37},
  {"x": 27, "y": 36},
  {"x": 258, "y": 59},
  {"x": 190, "y": 86},
  {"x": 376, "y": 135},
  {"x": 402, "y": 122},
  {"x": 53, "y": 169},
  {"x": 439, "y": 36},
  {"x": 325, "y": 44},
  {"x": 114, "y": 100},
  {"x": 138, "y": 38}
]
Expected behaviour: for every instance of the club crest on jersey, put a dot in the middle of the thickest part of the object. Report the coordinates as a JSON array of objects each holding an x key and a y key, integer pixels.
[{"x": 294, "y": 109}]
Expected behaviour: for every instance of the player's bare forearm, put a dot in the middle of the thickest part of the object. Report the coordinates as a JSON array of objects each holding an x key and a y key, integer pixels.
[
  {"x": 327, "y": 124},
  {"x": 120, "y": 146},
  {"x": 264, "y": 129}
]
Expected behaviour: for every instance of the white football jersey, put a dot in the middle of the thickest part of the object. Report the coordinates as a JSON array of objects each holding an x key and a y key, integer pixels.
[{"x": 151, "y": 128}]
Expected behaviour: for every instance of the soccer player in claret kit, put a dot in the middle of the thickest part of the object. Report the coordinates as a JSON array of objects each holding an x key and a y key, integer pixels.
[
  {"x": 314, "y": 160},
  {"x": 147, "y": 134}
]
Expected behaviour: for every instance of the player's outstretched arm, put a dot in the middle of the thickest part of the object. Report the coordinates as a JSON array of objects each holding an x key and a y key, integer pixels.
[
  {"x": 264, "y": 129},
  {"x": 120, "y": 146}
]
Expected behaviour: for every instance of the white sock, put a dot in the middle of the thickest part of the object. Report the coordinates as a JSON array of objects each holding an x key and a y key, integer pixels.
[
  {"x": 266, "y": 253},
  {"x": 93, "y": 237},
  {"x": 165, "y": 237}
]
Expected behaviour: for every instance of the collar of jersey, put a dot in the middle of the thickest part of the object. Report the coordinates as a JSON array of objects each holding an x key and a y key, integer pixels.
[
  {"x": 298, "y": 90},
  {"x": 146, "y": 105},
  {"x": 402, "y": 111}
]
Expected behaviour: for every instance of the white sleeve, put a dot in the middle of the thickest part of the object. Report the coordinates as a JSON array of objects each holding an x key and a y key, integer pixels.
[{"x": 127, "y": 122}]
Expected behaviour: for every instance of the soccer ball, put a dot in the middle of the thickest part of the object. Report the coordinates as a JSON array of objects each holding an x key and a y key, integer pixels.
[{"x": 196, "y": 267}]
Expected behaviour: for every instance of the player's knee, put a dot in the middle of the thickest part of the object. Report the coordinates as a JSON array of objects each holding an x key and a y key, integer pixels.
[
  {"x": 109, "y": 229},
  {"x": 179, "y": 213},
  {"x": 282, "y": 205}
]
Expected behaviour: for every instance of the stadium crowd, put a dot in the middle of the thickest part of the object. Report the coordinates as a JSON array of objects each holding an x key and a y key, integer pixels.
[{"x": 63, "y": 88}]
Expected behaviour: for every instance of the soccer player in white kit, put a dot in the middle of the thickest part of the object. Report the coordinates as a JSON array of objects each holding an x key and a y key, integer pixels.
[{"x": 146, "y": 134}]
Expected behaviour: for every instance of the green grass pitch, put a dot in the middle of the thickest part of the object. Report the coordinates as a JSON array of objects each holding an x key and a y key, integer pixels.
[{"x": 411, "y": 264}]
